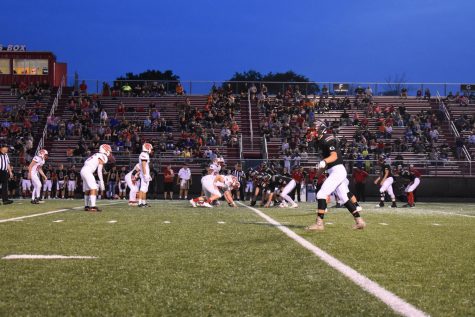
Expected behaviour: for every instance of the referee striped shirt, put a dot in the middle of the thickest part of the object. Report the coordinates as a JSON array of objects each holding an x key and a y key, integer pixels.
[
  {"x": 4, "y": 162},
  {"x": 239, "y": 174}
]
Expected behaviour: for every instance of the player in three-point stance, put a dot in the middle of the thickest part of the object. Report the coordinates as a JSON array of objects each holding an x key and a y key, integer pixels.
[
  {"x": 215, "y": 187},
  {"x": 133, "y": 182},
  {"x": 145, "y": 177},
  {"x": 385, "y": 180},
  {"x": 333, "y": 162},
  {"x": 90, "y": 188},
  {"x": 34, "y": 172}
]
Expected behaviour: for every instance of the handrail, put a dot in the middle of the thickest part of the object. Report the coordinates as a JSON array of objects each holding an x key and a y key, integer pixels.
[
  {"x": 250, "y": 118},
  {"x": 264, "y": 145},
  {"x": 51, "y": 113},
  {"x": 452, "y": 125},
  {"x": 240, "y": 147}
]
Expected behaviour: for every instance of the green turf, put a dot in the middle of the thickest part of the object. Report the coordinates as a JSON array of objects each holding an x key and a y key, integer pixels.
[{"x": 197, "y": 266}]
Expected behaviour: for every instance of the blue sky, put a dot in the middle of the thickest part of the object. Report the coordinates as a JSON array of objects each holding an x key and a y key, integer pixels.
[{"x": 346, "y": 40}]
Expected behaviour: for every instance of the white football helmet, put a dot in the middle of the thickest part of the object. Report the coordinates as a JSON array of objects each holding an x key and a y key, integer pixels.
[
  {"x": 43, "y": 153},
  {"x": 105, "y": 149},
  {"x": 147, "y": 147}
]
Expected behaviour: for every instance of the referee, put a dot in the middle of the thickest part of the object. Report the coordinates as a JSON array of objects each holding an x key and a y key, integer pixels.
[
  {"x": 5, "y": 173},
  {"x": 240, "y": 175}
]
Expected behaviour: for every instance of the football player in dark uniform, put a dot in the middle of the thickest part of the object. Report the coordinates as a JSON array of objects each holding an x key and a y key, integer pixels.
[
  {"x": 283, "y": 185},
  {"x": 336, "y": 180},
  {"x": 385, "y": 180}
]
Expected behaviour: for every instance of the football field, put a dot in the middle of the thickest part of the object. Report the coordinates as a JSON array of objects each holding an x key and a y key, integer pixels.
[{"x": 175, "y": 260}]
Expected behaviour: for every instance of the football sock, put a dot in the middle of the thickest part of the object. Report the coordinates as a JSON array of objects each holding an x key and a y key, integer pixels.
[{"x": 92, "y": 199}]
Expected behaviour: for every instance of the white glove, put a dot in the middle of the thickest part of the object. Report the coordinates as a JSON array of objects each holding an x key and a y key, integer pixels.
[
  {"x": 322, "y": 164},
  {"x": 148, "y": 178},
  {"x": 102, "y": 186}
]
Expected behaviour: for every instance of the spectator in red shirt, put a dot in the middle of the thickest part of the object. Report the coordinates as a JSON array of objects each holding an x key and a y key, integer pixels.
[
  {"x": 359, "y": 178},
  {"x": 297, "y": 175},
  {"x": 83, "y": 88},
  {"x": 168, "y": 180}
]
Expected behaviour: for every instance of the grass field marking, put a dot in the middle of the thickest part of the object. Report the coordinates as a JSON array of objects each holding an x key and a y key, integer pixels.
[
  {"x": 383, "y": 224},
  {"x": 59, "y": 220},
  {"x": 454, "y": 214},
  {"x": 112, "y": 221},
  {"x": 167, "y": 222},
  {"x": 44, "y": 257},
  {"x": 393, "y": 301},
  {"x": 47, "y": 213}
]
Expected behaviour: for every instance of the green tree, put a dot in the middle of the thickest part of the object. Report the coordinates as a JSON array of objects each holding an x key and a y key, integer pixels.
[
  {"x": 273, "y": 81},
  {"x": 167, "y": 76}
]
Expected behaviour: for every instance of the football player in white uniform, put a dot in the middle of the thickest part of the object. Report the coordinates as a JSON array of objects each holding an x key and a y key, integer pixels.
[
  {"x": 145, "y": 177},
  {"x": 133, "y": 181},
  {"x": 214, "y": 187},
  {"x": 216, "y": 165},
  {"x": 34, "y": 171},
  {"x": 93, "y": 163}
]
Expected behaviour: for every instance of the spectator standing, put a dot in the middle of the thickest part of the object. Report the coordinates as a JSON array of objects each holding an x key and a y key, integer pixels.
[
  {"x": 359, "y": 178},
  {"x": 168, "y": 177},
  {"x": 298, "y": 176},
  {"x": 184, "y": 180}
]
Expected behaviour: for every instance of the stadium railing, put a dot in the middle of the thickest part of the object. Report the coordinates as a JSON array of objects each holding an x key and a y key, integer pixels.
[
  {"x": 388, "y": 88},
  {"x": 197, "y": 165},
  {"x": 51, "y": 113},
  {"x": 455, "y": 132}
]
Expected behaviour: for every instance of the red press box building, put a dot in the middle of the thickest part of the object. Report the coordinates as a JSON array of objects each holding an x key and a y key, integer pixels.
[{"x": 17, "y": 64}]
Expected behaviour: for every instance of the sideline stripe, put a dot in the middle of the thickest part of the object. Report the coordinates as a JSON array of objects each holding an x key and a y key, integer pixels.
[
  {"x": 47, "y": 213},
  {"x": 393, "y": 301}
]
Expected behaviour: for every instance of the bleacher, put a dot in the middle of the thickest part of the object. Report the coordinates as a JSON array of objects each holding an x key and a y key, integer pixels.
[
  {"x": 413, "y": 106},
  {"x": 168, "y": 106}
]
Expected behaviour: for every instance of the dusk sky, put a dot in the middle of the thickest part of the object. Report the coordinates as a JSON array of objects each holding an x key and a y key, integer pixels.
[{"x": 346, "y": 40}]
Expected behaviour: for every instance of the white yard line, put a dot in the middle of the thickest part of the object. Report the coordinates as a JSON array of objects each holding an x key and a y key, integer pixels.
[
  {"x": 393, "y": 301},
  {"x": 47, "y": 213},
  {"x": 44, "y": 257}
]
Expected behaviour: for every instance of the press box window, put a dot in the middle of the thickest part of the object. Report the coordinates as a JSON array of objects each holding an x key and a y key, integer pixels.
[
  {"x": 5, "y": 66},
  {"x": 30, "y": 66}
]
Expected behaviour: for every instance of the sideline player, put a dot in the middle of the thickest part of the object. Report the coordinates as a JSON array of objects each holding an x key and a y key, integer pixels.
[
  {"x": 25, "y": 182},
  {"x": 93, "y": 163},
  {"x": 34, "y": 170},
  {"x": 333, "y": 162},
  {"x": 385, "y": 180},
  {"x": 145, "y": 178}
]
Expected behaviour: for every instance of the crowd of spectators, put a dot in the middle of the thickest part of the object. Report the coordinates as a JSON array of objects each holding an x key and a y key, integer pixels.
[{"x": 290, "y": 118}]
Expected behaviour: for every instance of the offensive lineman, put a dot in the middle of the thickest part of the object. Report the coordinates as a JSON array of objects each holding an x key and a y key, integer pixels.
[
  {"x": 333, "y": 163},
  {"x": 93, "y": 163}
]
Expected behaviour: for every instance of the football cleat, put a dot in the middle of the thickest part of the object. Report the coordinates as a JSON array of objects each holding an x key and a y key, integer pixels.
[
  {"x": 294, "y": 206},
  {"x": 35, "y": 202},
  {"x": 207, "y": 205},
  {"x": 318, "y": 226},
  {"x": 87, "y": 208},
  {"x": 192, "y": 203},
  {"x": 393, "y": 205},
  {"x": 359, "y": 224},
  {"x": 380, "y": 205},
  {"x": 95, "y": 209}
]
